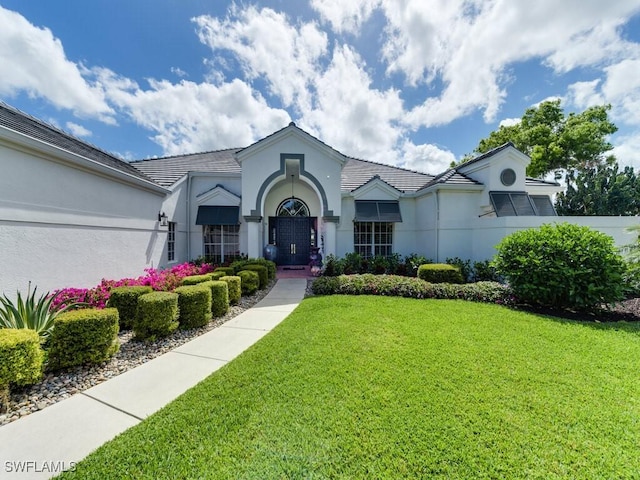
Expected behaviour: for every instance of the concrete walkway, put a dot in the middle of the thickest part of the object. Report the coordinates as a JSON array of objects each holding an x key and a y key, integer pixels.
[{"x": 44, "y": 443}]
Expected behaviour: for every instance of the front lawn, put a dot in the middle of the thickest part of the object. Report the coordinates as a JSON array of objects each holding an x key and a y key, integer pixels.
[{"x": 380, "y": 387}]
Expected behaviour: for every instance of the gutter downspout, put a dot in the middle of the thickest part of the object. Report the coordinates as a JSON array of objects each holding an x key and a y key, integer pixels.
[
  {"x": 189, "y": 178},
  {"x": 437, "y": 226}
]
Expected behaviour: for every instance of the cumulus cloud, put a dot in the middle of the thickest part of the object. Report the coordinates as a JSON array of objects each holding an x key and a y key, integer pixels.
[
  {"x": 40, "y": 68},
  {"x": 78, "y": 130},
  {"x": 345, "y": 16},
  {"x": 426, "y": 158}
]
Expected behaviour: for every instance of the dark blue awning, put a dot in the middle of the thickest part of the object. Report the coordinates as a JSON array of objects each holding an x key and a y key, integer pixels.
[{"x": 218, "y": 215}]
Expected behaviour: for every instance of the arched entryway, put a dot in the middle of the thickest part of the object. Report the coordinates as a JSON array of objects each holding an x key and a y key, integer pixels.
[{"x": 293, "y": 231}]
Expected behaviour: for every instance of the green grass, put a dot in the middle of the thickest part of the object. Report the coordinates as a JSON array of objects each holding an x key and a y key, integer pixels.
[{"x": 378, "y": 387}]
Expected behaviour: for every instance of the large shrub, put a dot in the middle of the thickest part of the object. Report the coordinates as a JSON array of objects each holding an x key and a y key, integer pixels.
[
  {"x": 271, "y": 266},
  {"x": 249, "y": 281},
  {"x": 83, "y": 336},
  {"x": 263, "y": 275},
  {"x": 194, "y": 303},
  {"x": 561, "y": 266},
  {"x": 195, "y": 279},
  {"x": 20, "y": 359},
  {"x": 125, "y": 299},
  {"x": 157, "y": 315}
]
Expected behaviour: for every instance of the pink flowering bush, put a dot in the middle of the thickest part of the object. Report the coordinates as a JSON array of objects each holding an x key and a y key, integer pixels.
[{"x": 160, "y": 280}]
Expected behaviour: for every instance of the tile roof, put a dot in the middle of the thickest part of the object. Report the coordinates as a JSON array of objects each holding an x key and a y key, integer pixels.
[
  {"x": 166, "y": 171},
  {"x": 18, "y": 121},
  {"x": 451, "y": 177},
  {"x": 536, "y": 182},
  {"x": 356, "y": 173}
]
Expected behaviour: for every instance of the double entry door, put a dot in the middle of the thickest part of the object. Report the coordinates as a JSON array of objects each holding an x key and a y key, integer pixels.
[{"x": 293, "y": 237}]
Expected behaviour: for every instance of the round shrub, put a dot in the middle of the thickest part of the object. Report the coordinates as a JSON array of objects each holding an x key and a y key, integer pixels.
[
  {"x": 263, "y": 275},
  {"x": 440, "y": 273},
  {"x": 561, "y": 266},
  {"x": 125, "y": 299},
  {"x": 226, "y": 270},
  {"x": 83, "y": 336},
  {"x": 271, "y": 266},
  {"x": 217, "y": 275},
  {"x": 194, "y": 304},
  {"x": 234, "y": 286},
  {"x": 195, "y": 279},
  {"x": 219, "y": 297},
  {"x": 249, "y": 281},
  {"x": 157, "y": 315}
]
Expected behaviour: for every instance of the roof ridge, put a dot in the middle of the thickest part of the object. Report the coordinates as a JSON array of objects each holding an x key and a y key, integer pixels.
[
  {"x": 390, "y": 166},
  {"x": 236, "y": 149}
]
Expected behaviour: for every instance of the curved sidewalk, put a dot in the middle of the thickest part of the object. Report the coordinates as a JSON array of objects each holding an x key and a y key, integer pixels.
[{"x": 44, "y": 443}]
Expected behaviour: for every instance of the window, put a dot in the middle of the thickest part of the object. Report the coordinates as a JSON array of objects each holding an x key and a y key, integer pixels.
[
  {"x": 171, "y": 242},
  {"x": 509, "y": 204},
  {"x": 543, "y": 205},
  {"x": 373, "y": 238},
  {"x": 292, "y": 207},
  {"x": 221, "y": 242}
]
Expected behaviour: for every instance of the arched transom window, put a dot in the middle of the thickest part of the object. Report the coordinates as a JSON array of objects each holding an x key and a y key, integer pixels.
[{"x": 293, "y": 207}]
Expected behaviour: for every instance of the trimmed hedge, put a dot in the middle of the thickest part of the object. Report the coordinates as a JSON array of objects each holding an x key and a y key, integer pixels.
[
  {"x": 411, "y": 287},
  {"x": 125, "y": 299},
  {"x": 440, "y": 273},
  {"x": 227, "y": 270},
  {"x": 263, "y": 275},
  {"x": 271, "y": 266},
  {"x": 83, "y": 336},
  {"x": 21, "y": 357},
  {"x": 157, "y": 315},
  {"x": 219, "y": 297},
  {"x": 249, "y": 281},
  {"x": 217, "y": 275},
  {"x": 234, "y": 284},
  {"x": 196, "y": 279},
  {"x": 194, "y": 304}
]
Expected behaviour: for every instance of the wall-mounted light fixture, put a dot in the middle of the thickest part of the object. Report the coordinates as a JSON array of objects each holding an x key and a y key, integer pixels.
[{"x": 162, "y": 218}]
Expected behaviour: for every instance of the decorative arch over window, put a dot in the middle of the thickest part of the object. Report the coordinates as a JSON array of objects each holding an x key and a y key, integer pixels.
[{"x": 292, "y": 207}]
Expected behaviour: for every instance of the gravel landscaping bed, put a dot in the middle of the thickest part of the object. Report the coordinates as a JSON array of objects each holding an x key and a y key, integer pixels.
[{"x": 56, "y": 386}]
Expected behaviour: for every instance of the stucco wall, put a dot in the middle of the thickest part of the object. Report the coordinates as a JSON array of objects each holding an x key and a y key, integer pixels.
[{"x": 61, "y": 226}]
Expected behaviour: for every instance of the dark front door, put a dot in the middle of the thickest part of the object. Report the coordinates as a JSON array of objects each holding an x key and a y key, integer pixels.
[{"x": 293, "y": 239}]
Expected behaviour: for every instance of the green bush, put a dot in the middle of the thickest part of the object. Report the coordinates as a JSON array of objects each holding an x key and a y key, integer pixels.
[
  {"x": 194, "y": 305},
  {"x": 235, "y": 289},
  {"x": 466, "y": 270},
  {"x": 157, "y": 315},
  {"x": 219, "y": 297},
  {"x": 216, "y": 275},
  {"x": 401, "y": 286},
  {"x": 20, "y": 357},
  {"x": 195, "y": 279},
  {"x": 227, "y": 270},
  {"x": 263, "y": 276},
  {"x": 561, "y": 266},
  {"x": 125, "y": 299},
  {"x": 440, "y": 273},
  {"x": 249, "y": 281},
  {"x": 271, "y": 266},
  {"x": 83, "y": 336}
]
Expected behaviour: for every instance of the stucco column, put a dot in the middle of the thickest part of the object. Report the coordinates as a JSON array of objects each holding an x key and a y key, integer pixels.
[
  {"x": 254, "y": 236},
  {"x": 330, "y": 243}
]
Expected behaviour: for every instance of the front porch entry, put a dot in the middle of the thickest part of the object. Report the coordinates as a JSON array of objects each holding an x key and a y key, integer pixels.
[{"x": 293, "y": 232}]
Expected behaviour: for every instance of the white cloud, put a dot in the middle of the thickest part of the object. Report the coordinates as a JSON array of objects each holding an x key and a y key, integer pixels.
[
  {"x": 427, "y": 158},
  {"x": 345, "y": 16},
  {"x": 627, "y": 150},
  {"x": 78, "y": 130},
  {"x": 268, "y": 46},
  {"x": 179, "y": 72},
  {"x": 191, "y": 117},
  {"x": 508, "y": 122},
  {"x": 40, "y": 68}
]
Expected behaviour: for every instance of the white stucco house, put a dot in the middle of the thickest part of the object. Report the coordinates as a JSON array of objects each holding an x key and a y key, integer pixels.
[{"x": 72, "y": 214}]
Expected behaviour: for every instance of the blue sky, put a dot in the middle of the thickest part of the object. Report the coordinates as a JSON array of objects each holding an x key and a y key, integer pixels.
[{"x": 415, "y": 83}]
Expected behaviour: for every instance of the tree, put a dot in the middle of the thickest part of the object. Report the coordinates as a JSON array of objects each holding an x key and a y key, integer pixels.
[
  {"x": 601, "y": 190},
  {"x": 556, "y": 141}
]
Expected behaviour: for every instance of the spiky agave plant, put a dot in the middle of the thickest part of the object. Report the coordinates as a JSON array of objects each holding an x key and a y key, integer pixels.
[{"x": 34, "y": 314}]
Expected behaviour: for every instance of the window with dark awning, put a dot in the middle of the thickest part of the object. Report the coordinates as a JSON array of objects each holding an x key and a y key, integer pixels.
[
  {"x": 543, "y": 205},
  {"x": 215, "y": 215},
  {"x": 377, "y": 211}
]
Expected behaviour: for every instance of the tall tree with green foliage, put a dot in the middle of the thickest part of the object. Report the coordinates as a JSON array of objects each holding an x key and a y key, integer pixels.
[{"x": 556, "y": 141}]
